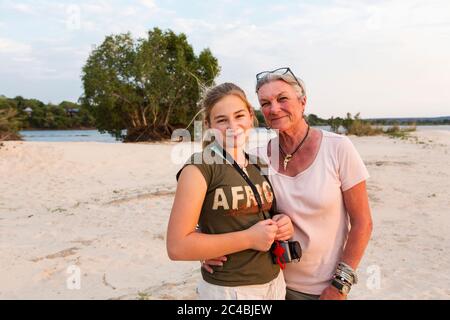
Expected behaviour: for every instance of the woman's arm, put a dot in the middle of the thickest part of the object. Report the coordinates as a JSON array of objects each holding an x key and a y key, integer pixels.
[
  {"x": 184, "y": 243},
  {"x": 357, "y": 205}
]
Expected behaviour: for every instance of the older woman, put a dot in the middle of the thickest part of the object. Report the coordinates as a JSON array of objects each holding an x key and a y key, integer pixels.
[{"x": 319, "y": 181}]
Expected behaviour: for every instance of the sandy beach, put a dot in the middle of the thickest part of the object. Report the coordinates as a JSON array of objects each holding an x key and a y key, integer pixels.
[{"x": 101, "y": 210}]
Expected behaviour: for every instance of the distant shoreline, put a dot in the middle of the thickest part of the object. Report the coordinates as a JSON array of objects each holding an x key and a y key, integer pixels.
[
  {"x": 71, "y": 129},
  {"x": 88, "y": 129}
]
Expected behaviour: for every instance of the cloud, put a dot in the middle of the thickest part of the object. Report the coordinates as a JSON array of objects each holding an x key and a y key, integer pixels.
[
  {"x": 373, "y": 57},
  {"x": 9, "y": 46},
  {"x": 353, "y": 55},
  {"x": 22, "y": 7},
  {"x": 150, "y": 4},
  {"x": 53, "y": 60}
]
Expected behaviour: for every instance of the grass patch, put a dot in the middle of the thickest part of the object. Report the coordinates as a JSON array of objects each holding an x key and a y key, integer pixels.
[
  {"x": 360, "y": 128},
  {"x": 397, "y": 132},
  {"x": 354, "y": 125}
]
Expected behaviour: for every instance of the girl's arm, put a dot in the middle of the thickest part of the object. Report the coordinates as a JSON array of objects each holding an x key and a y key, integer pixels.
[{"x": 184, "y": 243}]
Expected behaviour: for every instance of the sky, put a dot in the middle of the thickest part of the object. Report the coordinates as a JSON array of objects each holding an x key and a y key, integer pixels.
[{"x": 382, "y": 58}]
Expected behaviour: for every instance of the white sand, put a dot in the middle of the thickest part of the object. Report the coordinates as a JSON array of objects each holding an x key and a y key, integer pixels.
[{"x": 104, "y": 209}]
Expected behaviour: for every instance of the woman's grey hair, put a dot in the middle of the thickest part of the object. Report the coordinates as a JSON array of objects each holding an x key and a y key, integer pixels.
[{"x": 287, "y": 77}]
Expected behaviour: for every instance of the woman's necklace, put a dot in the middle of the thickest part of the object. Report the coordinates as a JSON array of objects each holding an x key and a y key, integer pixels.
[{"x": 288, "y": 157}]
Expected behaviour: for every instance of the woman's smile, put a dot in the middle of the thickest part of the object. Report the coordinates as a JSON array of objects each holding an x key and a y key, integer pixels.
[{"x": 278, "y": 118}]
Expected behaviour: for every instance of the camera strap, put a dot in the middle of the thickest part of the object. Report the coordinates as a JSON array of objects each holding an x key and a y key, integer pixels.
[
  {"x": 227, "y": 157},
  {"x": 277, "y": 249}
]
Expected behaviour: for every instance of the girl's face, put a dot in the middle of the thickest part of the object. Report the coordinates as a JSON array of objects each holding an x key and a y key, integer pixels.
[
  {"x": 231, "y": 119},
  {"x": 280, "y": 105}
]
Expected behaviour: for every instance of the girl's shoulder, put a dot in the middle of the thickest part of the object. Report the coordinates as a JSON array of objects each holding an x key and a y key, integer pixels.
[{"x": 207, "y": 161}]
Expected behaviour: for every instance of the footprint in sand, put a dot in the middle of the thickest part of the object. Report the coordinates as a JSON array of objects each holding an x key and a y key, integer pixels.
[
  {"x": 142, "y": 196},
  {"x": 60, "y": 254},
  {"x": 389, "y": 163}
]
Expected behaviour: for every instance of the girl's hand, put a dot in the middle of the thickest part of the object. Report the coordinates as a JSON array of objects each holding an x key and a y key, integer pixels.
[{"x": 262, "y": 234}]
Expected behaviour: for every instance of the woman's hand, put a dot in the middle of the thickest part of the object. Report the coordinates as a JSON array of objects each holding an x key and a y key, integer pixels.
[
  {"x": 332, "y": 293},
  {"x": 262, "y": 234},
  {"x": 285, "y": 227},
  {"x": 207, "y": 264}
]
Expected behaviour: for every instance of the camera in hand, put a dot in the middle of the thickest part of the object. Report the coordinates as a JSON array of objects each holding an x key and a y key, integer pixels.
[{"x": 285, "y": 251}]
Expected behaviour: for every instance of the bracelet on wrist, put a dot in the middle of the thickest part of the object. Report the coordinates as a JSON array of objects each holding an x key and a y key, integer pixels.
[
  {"x": 344, "y": 277},
  {"x": 343, "y": 268},
  {"x": 342, "y": 287}
]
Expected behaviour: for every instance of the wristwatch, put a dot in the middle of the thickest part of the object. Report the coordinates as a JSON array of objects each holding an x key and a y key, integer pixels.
[{"x": 343, "y": 288}]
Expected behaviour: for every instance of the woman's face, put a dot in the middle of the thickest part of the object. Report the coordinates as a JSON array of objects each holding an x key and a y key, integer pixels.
[
  {"x": 280, "y": 105},
  {"x": 232, "y": 120}
]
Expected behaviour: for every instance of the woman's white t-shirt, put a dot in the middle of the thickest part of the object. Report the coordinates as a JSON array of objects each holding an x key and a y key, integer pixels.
[{"x": 313, "y": 200}]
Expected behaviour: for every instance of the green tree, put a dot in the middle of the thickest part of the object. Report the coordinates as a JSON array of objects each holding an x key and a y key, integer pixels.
[
  {"x": 66, "y": 115},
  {"x": 335, "y": 123},
  {"x": 314, "y": 120},
  {"x": 148, "y": 87},
  {"x": 348, "y": 121},
  {"x": 9, "y": 124}
]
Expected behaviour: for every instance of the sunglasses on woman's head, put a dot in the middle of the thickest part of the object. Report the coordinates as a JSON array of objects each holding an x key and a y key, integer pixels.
[{"x": 279, "y": 71}]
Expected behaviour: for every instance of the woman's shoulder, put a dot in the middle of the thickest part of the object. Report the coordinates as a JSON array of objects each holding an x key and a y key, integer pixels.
[
  {"x": 332, "y": 136},
  {"x": 336, "y": 147},
  {"x": 335, "y": 140}
]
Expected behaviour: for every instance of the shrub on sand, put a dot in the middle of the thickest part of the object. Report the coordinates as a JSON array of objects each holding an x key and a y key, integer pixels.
[
  {"x": 358, "y": 127},
  {"x": 9, "y": 125},
  {"x": 397, "y": 132}
]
